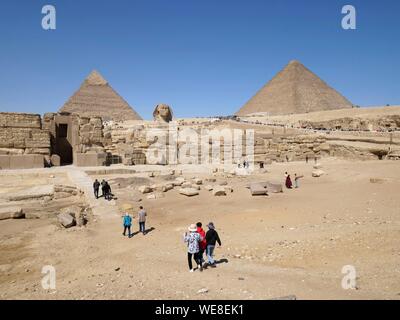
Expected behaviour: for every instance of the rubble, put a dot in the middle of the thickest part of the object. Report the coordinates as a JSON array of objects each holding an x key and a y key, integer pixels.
[
  {"x": 219, "y": 191},
  {"x": 189, "y": 192},
  {"x": 11, "y": 213}
]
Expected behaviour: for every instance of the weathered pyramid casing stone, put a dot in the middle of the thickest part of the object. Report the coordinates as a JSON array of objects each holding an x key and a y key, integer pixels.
[
  {"x": 293, "y": 90},
  {"x": 96, "y": 98}
]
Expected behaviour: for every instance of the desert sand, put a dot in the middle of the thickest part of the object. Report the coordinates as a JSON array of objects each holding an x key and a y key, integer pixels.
[{"x": 295, "y": 242}]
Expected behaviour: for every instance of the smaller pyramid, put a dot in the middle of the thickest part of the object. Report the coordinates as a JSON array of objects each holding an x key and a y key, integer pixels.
[
  {"x": 96, "y": 98},
  {"x": 294, "y": 90}
]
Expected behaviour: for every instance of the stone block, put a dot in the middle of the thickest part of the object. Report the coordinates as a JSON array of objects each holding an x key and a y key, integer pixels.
[
  {"x": 11, "y": 213},
  {"x": 26, "y": 161},
  {"x": 89, "y": 159}
]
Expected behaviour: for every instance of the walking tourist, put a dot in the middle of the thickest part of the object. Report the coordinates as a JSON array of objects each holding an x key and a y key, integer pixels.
[
  {"x": 288, "y": 182},
  {"x": 296, "y": 180},
  {"x": 107, "y": 189},
  {"x": 103, "y": 188},
  {"x": 142, "y": 220},
  {"x": 127, "y": 224},
  {"x": 203, "y": 243},
  {"x": 193, "y": 239},
  {"x": 212, "y": 238},
  {"x": 96, "y": 186}
]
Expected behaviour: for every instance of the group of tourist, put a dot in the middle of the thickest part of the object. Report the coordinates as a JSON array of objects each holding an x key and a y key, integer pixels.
[
  {"x": 288, "y": 180},
  {"x": 246, "y": 164},
  {"x": 127, "y": 222},
  {"x": 198, "y": 242},
  {"x": 105, "y": 189}
]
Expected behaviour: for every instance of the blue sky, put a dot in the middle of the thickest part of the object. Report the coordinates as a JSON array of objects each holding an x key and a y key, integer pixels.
[{"x": 202, "y": 58}]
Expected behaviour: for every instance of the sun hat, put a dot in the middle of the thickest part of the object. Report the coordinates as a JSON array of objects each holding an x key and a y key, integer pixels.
[
  {"x": 192, "y": 227},
  {"x": 211, "y": 225}
]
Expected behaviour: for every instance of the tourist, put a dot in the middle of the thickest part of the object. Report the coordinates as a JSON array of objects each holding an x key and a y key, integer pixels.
[
  {"x": 296, "y": 180},
  {"x": 193, "y": 239},
  {"x": 107, "y": 189},
  {"x": 142, "y": 220},
  {"x": 203, "y": 243},
  {"x": 103, "y": 187},
  {"x": 306, "y": 159},
  {"x": 127, "y": 224},
  {"x": 212, "y": 238},
  {"x": 288, "y": 182},
  {"x": 96, "y": 186}
]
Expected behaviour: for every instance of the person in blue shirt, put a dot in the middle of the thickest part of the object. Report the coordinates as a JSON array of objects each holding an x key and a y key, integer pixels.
[{"x": 127, "y": 224}]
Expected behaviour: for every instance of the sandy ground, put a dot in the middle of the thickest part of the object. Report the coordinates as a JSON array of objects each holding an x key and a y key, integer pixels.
[{"x": 291, "y": 243}]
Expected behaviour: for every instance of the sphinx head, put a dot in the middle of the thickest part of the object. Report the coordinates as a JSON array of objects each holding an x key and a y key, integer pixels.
[{"x": 162, "y": 113}]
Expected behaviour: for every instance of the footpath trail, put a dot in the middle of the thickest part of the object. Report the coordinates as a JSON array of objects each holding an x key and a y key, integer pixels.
[{"x": 100, "y": 207}]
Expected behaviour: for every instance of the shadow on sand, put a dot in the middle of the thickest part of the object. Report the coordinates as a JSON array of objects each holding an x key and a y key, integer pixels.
[{"x": 146, "y": 231}]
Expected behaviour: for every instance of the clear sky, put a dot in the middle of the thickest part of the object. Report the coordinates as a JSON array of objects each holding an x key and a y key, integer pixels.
[{"x": 202, "y": 57}]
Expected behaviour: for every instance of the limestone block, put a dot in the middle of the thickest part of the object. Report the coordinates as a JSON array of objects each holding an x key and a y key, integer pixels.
[
  {"x": 189, "y": 192},
  {"x": 55, "y": 160},
  {"x": 257, "y": 189},
  {"x": 317, "y": 173},
  {"x": 35, "y": 192},
  {"x": 219, "y": 191},
  {"x": 11, "y": 213},
  {"x": 145, "y": 189},
  {"x": 26, "y": 161},
  {"x": 66, "y": 220}
]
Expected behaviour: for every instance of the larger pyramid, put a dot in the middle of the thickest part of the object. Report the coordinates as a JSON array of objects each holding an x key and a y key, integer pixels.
[
  {"x": 96, "y": 97},
  {"x": 293, "y": 90}
]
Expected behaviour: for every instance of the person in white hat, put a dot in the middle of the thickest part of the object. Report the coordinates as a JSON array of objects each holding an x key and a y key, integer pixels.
[{"x": 193, "y": 239}]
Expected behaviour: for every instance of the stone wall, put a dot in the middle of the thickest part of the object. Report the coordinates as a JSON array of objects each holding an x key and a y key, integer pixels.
[{"x": 23, "y": 141}]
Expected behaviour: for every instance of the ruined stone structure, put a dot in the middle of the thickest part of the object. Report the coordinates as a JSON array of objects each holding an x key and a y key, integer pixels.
[
  {"x": 387, "y": 123},
  {"x": 23, "y": 142},
  {"x": 97, "y": 127},
  {"x": 75, "y": 139},
  {"x": 28, "y": 141}
]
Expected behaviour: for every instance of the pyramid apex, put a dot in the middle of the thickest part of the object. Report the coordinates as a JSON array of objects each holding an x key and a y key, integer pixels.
[
  {"x": 294, "y": 62},
  {"x": 96, "y": 79}
]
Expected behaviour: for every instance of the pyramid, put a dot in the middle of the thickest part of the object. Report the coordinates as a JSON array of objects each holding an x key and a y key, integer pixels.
[
  {"x": 293, "y": 90},
  {"x": 96, "y": 97}
]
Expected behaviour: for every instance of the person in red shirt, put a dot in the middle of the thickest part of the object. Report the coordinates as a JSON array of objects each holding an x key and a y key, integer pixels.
[{"x": 203, "y": 243}]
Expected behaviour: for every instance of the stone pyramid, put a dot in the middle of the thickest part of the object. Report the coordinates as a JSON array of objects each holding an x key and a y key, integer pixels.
[
  {"x": 295, "y": 89},
  {"x": 96, "y": 97}
]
